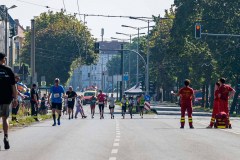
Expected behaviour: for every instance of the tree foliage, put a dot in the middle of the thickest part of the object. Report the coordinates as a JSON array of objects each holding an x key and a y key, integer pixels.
[{"x": 62, "y": 43}]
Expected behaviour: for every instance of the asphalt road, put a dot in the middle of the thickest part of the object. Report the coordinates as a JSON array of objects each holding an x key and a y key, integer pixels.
[{"x": 152, "y": 138}]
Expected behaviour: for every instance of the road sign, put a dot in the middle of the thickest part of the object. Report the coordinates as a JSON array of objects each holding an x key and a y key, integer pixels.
[
  {"x": 43, "y": 83},
  {"x": 125, "y": 77}
]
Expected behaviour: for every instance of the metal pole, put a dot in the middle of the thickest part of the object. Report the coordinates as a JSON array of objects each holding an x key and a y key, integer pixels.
[
  {"x": 6, "y": 34},
  {"x": 137, "y": 58},
  {"x": 147, "y": 76},
  {"x": 129, "y": 61},
  {"x": 121, "y": 73},
  {"x": 33, "y": 50}
]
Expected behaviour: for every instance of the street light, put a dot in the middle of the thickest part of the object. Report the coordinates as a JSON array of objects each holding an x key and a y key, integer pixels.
[
  {"x": 6, "y": 29},
  {"x": 138, "y": 29}
]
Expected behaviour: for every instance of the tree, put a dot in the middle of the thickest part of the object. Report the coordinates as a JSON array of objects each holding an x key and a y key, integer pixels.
[{"x": 62, "y": 43}]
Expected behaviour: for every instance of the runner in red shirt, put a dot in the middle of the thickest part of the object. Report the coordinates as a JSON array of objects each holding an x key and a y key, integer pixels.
[
  {"x": 216, "y": 107},
  {"x": 101, "y": 100},
  {"x": 225, "y": 92},
  {"x": 186, "y": 96}
]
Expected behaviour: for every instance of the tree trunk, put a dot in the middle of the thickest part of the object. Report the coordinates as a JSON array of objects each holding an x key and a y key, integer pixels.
[{"x": 203, "y": 96}]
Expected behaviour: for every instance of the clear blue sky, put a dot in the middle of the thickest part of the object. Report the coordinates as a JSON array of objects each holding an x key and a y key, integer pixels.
[{"x": 25, "y": 12}]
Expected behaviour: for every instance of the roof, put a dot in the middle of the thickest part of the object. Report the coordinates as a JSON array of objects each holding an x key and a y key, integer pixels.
[{"x": 135, "y": 89}]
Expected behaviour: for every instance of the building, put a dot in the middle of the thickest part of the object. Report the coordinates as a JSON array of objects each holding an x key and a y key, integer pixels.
[{"x": 97, "y": 75}]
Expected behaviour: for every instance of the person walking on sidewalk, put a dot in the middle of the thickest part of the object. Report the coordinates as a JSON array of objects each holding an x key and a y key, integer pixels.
[
  {"x": 8, "y": 95},
  {"x": 101, "y": 101},
  {"x": 71, "y": 95},
  {"x": 216, "y": 106},
  {"x": 186, "y": 96},
  {"x": 111, "y": 101},
  {"x": 34, "y": 102},
  {"x": 56, "y": 94}
]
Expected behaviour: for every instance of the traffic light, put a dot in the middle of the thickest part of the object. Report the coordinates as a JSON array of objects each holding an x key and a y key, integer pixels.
[
  {"x": 198, "y": 31},
  {"x": 151, "y": 88},
  {"x": 12, "y": 32},
  {"x": 96, "y": 47}
]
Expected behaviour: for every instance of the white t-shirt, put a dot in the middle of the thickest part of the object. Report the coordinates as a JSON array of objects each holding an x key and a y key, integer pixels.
[{"x": 111, "y": 101}]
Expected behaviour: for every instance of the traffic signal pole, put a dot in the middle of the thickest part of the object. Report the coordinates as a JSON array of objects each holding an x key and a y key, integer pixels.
[{"x": 121, "y": 73}]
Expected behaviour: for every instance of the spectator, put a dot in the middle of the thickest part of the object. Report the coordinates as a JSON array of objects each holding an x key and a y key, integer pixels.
[{"x": 34, "y": 102}]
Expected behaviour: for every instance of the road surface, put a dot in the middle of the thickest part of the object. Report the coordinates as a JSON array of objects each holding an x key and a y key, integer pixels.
[{"x": 152, "y": 138}]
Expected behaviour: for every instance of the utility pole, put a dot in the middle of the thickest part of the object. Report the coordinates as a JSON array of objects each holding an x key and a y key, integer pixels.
[
  {"x": 101, "y": 55},
  {"x": 147, "y": 76},
  {"x": 6, "y": 33},
  {"x": 33, "y": 51},
  {"x": 121, "y": 73},
  {"x": 137, "y": 56}
]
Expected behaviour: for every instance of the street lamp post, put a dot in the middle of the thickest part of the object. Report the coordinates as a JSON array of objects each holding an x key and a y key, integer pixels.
[
  {"x": 6, "y": 28},
  {"x": 129, "y": 60}
]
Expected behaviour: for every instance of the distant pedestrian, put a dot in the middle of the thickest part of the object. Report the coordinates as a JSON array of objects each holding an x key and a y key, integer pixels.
[
  {"x": 8, "y": 95},
  {"x": 93, "y": 105},
  {"x": 124, "y": 103},
  {"x": 34, "y": 102},
  {"x": 43, "y": 107},
  {"x": 71, "y": 95},
  {"x": 111, "y": 101},
  {"x": 101, "y": 101},
  {"x": 141, "y": 102},
  {"x": 130, "y": 106},
  {"x": 186, "y": 96},
  {"x": 56, "y": 94},
  {"x": 65, "y": 105},
  {"x": 79, "y": 107}
]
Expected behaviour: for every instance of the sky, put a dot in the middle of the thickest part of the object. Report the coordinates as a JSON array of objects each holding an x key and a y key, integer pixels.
[{"x": 27, "y": 9}]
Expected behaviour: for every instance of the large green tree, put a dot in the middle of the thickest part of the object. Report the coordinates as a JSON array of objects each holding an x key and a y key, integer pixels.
[{"x": 62, "y": 43}]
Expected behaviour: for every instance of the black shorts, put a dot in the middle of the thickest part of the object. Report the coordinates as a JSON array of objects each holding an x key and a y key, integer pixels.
[
  {"x": 101, "y": 107},
  {"x": 111, "y": 107},
  {"x": 70, "y": 105},
  {"x": 57, "y": 106},
  {"x": 124, "y": 108}
]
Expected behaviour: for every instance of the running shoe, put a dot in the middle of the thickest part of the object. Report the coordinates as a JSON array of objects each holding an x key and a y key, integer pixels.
[
  {"x": 6, "y": 143},
  {"x": 54, "y": 124},
  {"x": 59, "y": 122},
  {"x": 209, "y": 127},
  {"x": 182, "y": 127},
  {"x": 191, "y": 127}
]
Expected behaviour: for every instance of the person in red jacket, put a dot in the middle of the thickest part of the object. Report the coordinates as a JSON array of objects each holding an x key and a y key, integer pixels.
[
  {"x": 186, "y": 96},
  {"x": 216, "y": 106},
  {"x": 225, "y": 92}
]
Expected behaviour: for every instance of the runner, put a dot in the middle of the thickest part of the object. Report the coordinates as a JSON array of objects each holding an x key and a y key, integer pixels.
[
  {"x": 8, "y": 94},
  {"x": 111, "y": 101},
  {"x": 71, "y": 95},
  {"x": 124, "y": 103},
  {"x": 101, "y": 100},
  {"x": 56, "y": 94},
  {"x": 65, "y": 105},
  {"x": 130, "y": 106},
  {"x": 79, "y": 107},
  {"x": 141, "y": 101},
  {"x": 92, "y": 105}
]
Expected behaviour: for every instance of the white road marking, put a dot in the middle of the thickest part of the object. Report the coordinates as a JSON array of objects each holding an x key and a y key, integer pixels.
[
  {"x": 112, "y": 158},
  {"x": 115, "y": 144},
  {"x": 114, "y": 151}
]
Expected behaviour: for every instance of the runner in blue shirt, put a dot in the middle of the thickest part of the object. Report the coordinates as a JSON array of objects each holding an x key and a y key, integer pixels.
[{"x": 56, "y": 94}]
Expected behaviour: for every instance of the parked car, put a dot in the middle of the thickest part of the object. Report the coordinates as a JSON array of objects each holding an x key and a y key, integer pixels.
[
  {"x": 198, "y": 97},
  {"x": 87, "y": 95}
]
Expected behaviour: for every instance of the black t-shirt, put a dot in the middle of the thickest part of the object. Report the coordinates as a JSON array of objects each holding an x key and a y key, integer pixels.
[
  {"x": 7, "y": 79},
  {"x": 70, "y": 96},
  {"x": 33, "y": 92}
]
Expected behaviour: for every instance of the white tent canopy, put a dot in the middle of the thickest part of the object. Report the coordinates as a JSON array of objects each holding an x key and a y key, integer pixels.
[{"x": 135, "y": 89}]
